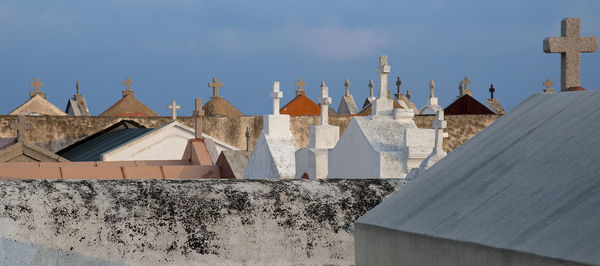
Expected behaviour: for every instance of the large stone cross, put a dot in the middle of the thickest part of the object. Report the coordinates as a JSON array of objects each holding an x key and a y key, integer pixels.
[
  {"x": 198, "y": 114},
  {"x": 36, "y": 84},
  {"x": 383, "y": 70},
  {"x": 300, "y": 84},
  {"x": 371, "y": 85},
  {"x": 276, "y": 95},
  {"x": 492, "y": 90},
  {"x": 325, "y": 101},
  {"x": 431, "y": 87},
  {"x": 570, "y": 45},
  {"x": 215, "y": 84},
  {"x": 347, "y": 85},
  {"x": 21, "y": 126},
  {"x": 174, "y": 107},
  {"x": 464, "y": 88},
  {"x": 127, "y": 84},
  {"x": 548, "y": 84},
  {"x": 77, "y": 89}
]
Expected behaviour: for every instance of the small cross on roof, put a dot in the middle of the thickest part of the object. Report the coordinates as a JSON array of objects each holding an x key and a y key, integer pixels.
[
  {"x": 215, "y": 84},
  {"x": 300, "y": 84},
  {"x": 174, "y": 107},
  {"x": 548, "y": 85},
  {"x": 127, "y": 84}
]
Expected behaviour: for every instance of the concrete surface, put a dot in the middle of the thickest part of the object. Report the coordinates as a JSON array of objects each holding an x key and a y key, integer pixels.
[{"x": 209, "y": 222}]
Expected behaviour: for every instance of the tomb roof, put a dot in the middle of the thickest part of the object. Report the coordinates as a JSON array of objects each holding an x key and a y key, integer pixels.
[
  {"x": 527, "y": 183},
  {"x": 467, "y": 105},
  {"x": 301, "y": 105},
  {"x": 37, "y": 105},
  {"x": 129, "y": 106},
  {"x": 218, "y": 106}
]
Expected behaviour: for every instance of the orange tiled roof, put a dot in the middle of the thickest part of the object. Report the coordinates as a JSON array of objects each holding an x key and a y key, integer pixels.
[{"x": 301, "y": 105}]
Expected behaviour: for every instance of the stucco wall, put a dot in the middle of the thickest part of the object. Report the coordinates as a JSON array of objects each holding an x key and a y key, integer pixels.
[
  {"x": 55, "y": 133},
  {"x": 149, "y": 222}
]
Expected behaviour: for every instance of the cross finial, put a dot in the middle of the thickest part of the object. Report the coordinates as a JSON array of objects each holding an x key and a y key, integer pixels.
[
  {"x": 21, "y": 126},
  {"x": 383, "y": 69},
  {"x": 324, "y": 101},
  {"x": 398, "y": 84},
  {"x": 492, "y": 90},
  {"x": 77, "y": 88},
  {"x": 174, "y": 107},
  {"x": 466, "y": 83},
  {"x": 431, "y": 87},
  {"x": 548, "y": 85},
  {"x": 215, "y": 84},
  {"x": 247, "y": 139},
  {"x": 570, "y": 45},
  {"x": 276, "y": 95},
  {"x": 300, "y": 84},
  {"x": 408, "y": 95},
  {"x": 198, "y": 114},
  {"x": 127, "y": 84},
  {"x": 36, "y": 84},
  {"x": 371, "y": 85},
  {"x": 464, "y": 87},
  {"x": 347, "y": 85}
]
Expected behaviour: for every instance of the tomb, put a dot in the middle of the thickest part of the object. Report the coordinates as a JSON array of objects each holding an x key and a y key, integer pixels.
[
  {"x": 347, "y": 104},
  {"x": 217, "y": 105},
  {"x": 273, "y": 155},
  {"x": 403, "y": 101},
  {"x": 37, "y": 103},
  {"x": 300, "y": 105},
  {"x": 76, "y": 106},
  {"x": 20, "y": 149},
  {"x": 371, "y": 97},
  {"x": 432, "y": 106},
  {"x": 129, "y": 105},
  {"x": 465, "y": 104},
  {"x": 385, "y": 144},
  {"x": 493, "y": 103},
  {"x": 311, "y": 162}
]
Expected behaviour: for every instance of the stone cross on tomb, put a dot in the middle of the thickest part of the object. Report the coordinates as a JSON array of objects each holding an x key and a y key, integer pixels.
[
  {"x": 347, "y": 85},
  {"x": 383, "y": 70},
  {"x": 408, "y": 95},
  {"x": 127, "y": 84},
  {"x": 174, "y": 107},
  {"x": 398, "y": 84},
  {"x": 300, "y": 84},
  {"x": 22, "y": 127},
  {"x": 492, "y": 90},
  {"x": 36, "y": 84},
  {"x": 198, "y": 114},
  {"x": 77, "y": 89},
  {"x": 276, "y": 95},
  {"x": 464, "y": 88},
  {"x": 548, "y": 85},
  {"x": 325, "y": 101},
  {"x": 570, "y": 45},
  {"x": 439, "y": 124},
  {"x": 247, "y": 139},
  {"x": 215, "y": 84},
  {"x": 371, "y": 85},
  {"x": 431, "y": 87}
]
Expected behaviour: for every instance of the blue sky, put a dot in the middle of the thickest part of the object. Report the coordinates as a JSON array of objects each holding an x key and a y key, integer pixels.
[{"x": 172, "y": 49}]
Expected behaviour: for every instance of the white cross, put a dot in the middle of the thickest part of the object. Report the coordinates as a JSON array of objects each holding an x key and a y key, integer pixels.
[
  {"x": 439, "y": 124},
  {"x": 570, "y": 45},
  {"x": 324, "y": 101},
  {"x": 276, "y": 95},
  {"x": 383, "y": 70},
  {"x": 174, "y": 106}
]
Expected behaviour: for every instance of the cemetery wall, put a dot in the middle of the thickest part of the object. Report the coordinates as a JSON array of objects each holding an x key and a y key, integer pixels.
[
  {"x": 55, "y": 133},
  {"x": 210, "y": 222}
]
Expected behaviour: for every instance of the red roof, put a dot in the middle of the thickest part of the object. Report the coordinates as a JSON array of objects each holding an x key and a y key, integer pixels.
[
  {"x": 467, "y": 105},
  {"x": 301, "y": 105}
]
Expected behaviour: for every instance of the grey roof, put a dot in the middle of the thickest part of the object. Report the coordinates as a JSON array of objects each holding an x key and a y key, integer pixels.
[
  {"x": 90, "y": 148},
  {"x": 529, "y": 182}
]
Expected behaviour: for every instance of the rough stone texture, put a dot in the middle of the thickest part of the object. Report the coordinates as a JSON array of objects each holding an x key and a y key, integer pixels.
[
  {"x": 37, "y": 105},
  {"x": 149, "y": 222},
  {"x": 55, "y": 133}
]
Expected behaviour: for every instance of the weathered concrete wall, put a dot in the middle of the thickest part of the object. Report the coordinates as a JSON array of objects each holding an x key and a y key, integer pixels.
[
  {"x": 55, "y": 133},
  {"x": 149, "y": 222}
]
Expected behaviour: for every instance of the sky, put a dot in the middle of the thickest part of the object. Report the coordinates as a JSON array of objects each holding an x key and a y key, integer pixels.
[{"x": 171, "y": 49}]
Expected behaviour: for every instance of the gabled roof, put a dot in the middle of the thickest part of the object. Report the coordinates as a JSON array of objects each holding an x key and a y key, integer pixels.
[
  {"x": 12, "y": 151},
  {"x": 76, "y": 106},
  {"x": 467, "y": 105},
  {"x": 37, "y": 105},
  {"x": 218, "y": 106},
  {"x": 367, "y": 109},
  {"x": 301, "y": 105},
  {"x": 495, "y": 106},
  {"x": 383, "y": 135},
  {"x": 129, "y": 106},
  {"x": 233, "y": 163},
  {"x": 90, "y": 148},
  {"x": 528, "y": 183},
  {"x": 347, "y": 106}
]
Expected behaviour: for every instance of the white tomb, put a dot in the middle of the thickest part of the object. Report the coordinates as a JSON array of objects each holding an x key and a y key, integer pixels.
[
  {"x": 387, "y": 144},
  {"x": 312, "y": 162},
  {"x": 347, "y": 104},
  {"x": 273, "y": 155},
  {"x": 432, "y": 106}
]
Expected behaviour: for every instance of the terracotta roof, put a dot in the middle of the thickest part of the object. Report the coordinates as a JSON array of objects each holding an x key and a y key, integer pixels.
[
  {"x": 218, "y": 106},
  {"x": 301, "y": 105},
  {"x": 467, "y": 105},
  {"x": 129, "y": 106}
]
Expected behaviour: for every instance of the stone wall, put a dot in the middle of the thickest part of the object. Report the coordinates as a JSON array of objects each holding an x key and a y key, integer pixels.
[
  {"x": 149, "y": 222},
  {"x": 55, "y": 133}
]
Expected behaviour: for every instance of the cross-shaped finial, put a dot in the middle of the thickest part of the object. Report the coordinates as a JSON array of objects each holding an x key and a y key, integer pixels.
[
  {"x": 398, "y": 84},
  {"x": 174, "y": 107},
  {"x": 198, "y": 114},
  {"x": 492, "y": 90},
  {"x": 548, "y": 85},
  {"x": 215, "y": 84},
  {"x": 570, "y": 45},
  {"x": 371, "y": 85},
  {"x": 347, "y": 85},
  {"x": 466, "y": 83},
  {"x": 325, "y": 101},
  {"x": 431, "y": 87},
  {"x": 276, "y": 95},
  {"x": 247, "y": 139},
  {"x": 21, "y": 126},
  {"x": 36, "y": 84},
  {"x": 77, "y": 88},
  {"x": 300, "y": 84},
  {"x": 408, "y": 95},
  {"x": 127, "y": 84}
]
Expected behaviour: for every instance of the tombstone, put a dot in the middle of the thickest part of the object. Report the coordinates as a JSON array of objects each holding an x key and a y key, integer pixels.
[
  {"x": 493, "y": 104},
  {"x": 385, "y": 144},
  {"x": 432, "y": 106},
  {"x": 347, "y": 104},
  {"x": 570, "y": 46},
  {"x": 273, "y": 155},
  {"x": 174, "y": 107},
  {"x": 311, "y": 162}
]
